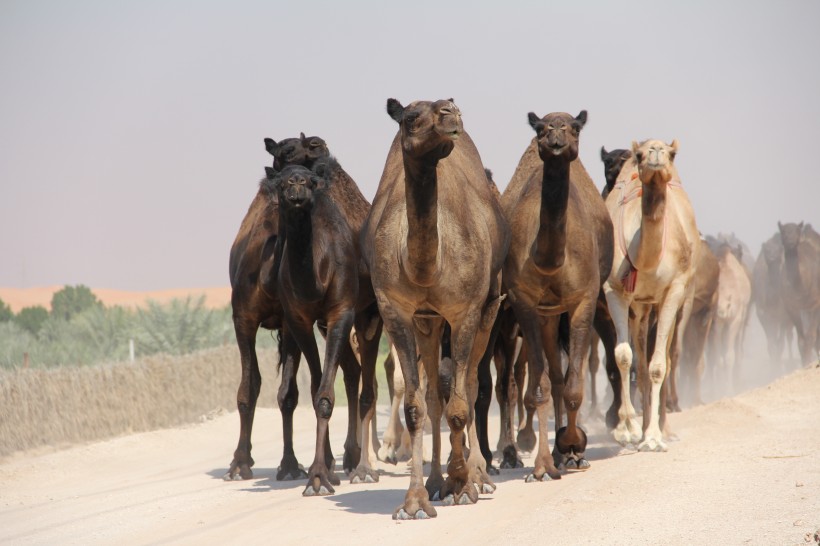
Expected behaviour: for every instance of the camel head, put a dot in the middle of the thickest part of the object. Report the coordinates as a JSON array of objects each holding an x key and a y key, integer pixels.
[
  {"x": 289, "y": 151},
  {"x": 772, "y": 252},
  {"x": 558, "y": 134},
  {"x": 613, "y": 162},
  {"x": 296, "y": 187},
  {"x": 790, "y": 234},
  {"x": 655, "y": 159},
  {"x": 428, "y": 129},
  {"x": 315, "y": 148}
]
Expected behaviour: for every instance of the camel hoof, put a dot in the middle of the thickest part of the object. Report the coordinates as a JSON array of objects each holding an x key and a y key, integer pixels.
[
  {"x": 238, "y": 472},
  {"x": 487, "y": 489},
  {"x": 310, "y": 491},
  {"x": 288, "y": 474},
  {"x": 492, "y": 471},
  {"x": 402, "y": 515},
  {"x": 356, "y": 479},
  {"x": 435, "y": 496},
  {"x": 652, "y": 445},
  {"x": 530, "y": 478}
]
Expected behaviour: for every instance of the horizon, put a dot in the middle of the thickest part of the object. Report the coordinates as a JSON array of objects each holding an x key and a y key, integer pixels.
[{"x": 133, "y": 134}]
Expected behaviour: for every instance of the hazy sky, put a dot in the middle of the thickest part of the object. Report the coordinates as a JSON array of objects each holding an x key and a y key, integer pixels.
[{"x": 131, "y": 132}]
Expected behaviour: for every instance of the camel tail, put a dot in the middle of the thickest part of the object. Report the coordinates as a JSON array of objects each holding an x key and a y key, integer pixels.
[
  {"x": 563, "y": 332},
  {"x": 279, "y": 350}
]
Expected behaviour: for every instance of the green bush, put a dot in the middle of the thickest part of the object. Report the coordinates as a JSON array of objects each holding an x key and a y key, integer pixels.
[
  {"x": 6, "y": 313},
  {"x": 32, "y": 318},
  {"x": 72, "y": 300}
]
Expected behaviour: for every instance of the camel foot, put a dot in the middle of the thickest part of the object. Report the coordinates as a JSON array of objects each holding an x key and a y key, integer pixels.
[
  {"x": 492, "y": 471},
  {"x": 416, "y": 506},
  {"x": 627, "y": 432},
  {"x": 652, "y": 444},
  {"x": 482, "y": 480},
  {"x": 387, "y": 453},
  {"x": 510, "y": 458},
  {"x": 351, "y": 459},
  {"x": 433, "y": 486},
  {"x": 530, "y": 478},
  {"x": 544, "y": 471},
  {"x": 577, "y": 463},
  {"x": 467, "y": 495},
  {"x": 285, "y": 474},
  {"x": 238, "y": 472},
  {"x": 318, "y": 486},
  {"x": 364, "y": 474},
  {"x": 526, "y": 440},
  {"x": 672, "y": 406},
  {"x": 611, "y": 418}
]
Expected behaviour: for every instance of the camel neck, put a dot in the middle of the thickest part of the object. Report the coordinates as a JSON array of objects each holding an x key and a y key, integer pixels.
[
  {"x": 299, "y": 251},
  {"x": 653, "y": 225},
  {"x": 421, "y": 192},
  {"x": 550, "y": 243},
  {"x": 791, "y": 267}
]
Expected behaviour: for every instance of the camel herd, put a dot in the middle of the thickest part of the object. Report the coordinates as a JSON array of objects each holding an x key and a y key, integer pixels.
[{"x": 460, "y": 277}]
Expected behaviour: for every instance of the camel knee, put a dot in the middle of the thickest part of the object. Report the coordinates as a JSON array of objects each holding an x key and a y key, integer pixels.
[
  {"x": 623, "y": 356},
  {"x": 657, "y": 371},
  {"x": 414, "y": 415},
  {"x": 457, "y": 412},
  {"x": 288, "y": 396},
  {"x": 324, "y": 407}
]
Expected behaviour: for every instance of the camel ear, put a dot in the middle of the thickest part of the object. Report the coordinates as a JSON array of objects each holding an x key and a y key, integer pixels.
[
  {"x": 271, "y": 146},
  {"x": 395, "y": 110},
  {"x": 319, "y": 182},
  {"x": 603, "y": 153},
  {"x": 635, "y": 147},
  {"x": 800, "y": 226},
  {"x": 270, "y": 173},
  {"x": 581, "y": 119},
  {"x": 534, "y": 120},
  {"x": 301, "y": 136},
  {"x": 779, "y": 226},
  {"x": 451, "y": 99},
  {"x": 674, "y": 147}
]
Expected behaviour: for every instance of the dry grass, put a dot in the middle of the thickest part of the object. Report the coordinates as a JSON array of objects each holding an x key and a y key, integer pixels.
[{"x": 40, "y": 407}]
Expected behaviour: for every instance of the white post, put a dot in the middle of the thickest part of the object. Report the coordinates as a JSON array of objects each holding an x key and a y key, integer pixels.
[{"x": 131, "y": 349}]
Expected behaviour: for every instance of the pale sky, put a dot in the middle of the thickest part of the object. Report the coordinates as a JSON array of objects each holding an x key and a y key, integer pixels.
[{"x": 132, "y": 132}]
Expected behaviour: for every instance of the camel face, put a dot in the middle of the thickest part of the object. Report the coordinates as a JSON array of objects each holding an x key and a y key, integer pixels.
[
  {"x": 314, "y": 148},
  {"x": 613, "y": 162},
  {"x": 558, "y": 134},
  {"x": 790, "y": 234},
  {"x": 289, "y": 151},
  {"x": 296, "y": 186},
  {"x": 655, "y": 158},
  {"x": 773, "y": 252},
  {"x": 427, "y": 128}
]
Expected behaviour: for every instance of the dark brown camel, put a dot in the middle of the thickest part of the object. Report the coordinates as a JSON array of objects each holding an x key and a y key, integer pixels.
[
  {"x": 321, "y": 281},
  {"x": 766, "y": 283},
  {"x": 255, "y": 303},
  {"x": 546, "y": 277},
  {"x": 435, "y": 241},
  {"x": 801, "y": 287}
]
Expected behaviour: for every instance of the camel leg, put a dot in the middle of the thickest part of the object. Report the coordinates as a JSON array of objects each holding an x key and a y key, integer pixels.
[
  {"x": 320, "y": 476},
  {"x": 394, "y": 428},
  {"x": 368, "y": 349},
  {"x": 628, "y": 430},
  {"x": 509, "y": 345},
  {"x": 526, "y": 438},
  {"x": 571, "y": 441},
  {"x": 642, "y": 332},
  {"x": 537, "y": 397},
  {"x": 428, "y": 340},
  {"x": 417, "y": 500},
  {"x": 667, "y": 313},
  {"x": 352, "y": 374},
  {"x": 484, "y": 398},
  {"x": 246, "y": 397},
  {"x": 605, "y": 328},
  {"x": 288, "y": 398},
  {"x": 593, "y": 365},
  {"x": 673, "y": 402}
]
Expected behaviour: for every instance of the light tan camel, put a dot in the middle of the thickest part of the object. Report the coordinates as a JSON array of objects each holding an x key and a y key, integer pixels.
[
  {"x": 434, "y": 242},
  {"x": 726, "y": 338},
  {"x": 656, "y": 246}
]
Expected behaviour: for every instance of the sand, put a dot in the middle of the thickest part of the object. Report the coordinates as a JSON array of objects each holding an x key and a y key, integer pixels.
[{"x": 745, "y": 470}]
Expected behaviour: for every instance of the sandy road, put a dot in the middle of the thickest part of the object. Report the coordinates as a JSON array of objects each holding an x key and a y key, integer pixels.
[{"x": 745, "y": 470}]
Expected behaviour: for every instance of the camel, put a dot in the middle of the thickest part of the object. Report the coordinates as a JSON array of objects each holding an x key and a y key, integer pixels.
[
  {"x": 800, "y": 286},
  {"x": 434, "y": 242},
  {"x": 704, "y": 304},
  {"x": 733, "y": 300},
  {"x": 657, "y": 247},
  {"x": 321, "y": 281},
  {"x": 766, "y": 285},
  {"x": 255, "y": 303},
  {"x": 545, "y": 277}
]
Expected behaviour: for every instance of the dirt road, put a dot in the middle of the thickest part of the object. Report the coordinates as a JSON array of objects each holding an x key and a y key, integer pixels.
[{"x": 745, "y": 470}]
